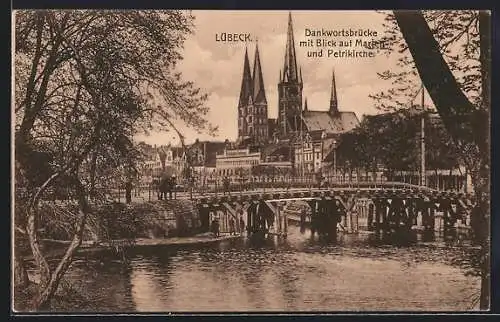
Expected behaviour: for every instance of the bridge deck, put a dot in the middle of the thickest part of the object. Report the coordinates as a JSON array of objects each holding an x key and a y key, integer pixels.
[
  {"x": 390, "y": 190},
  {"x": 359, "y": 190}
]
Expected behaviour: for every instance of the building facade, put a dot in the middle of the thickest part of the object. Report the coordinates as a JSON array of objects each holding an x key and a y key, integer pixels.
[
  {"x": 236, "y": 162},
  {"x": 320, "y": 133}
]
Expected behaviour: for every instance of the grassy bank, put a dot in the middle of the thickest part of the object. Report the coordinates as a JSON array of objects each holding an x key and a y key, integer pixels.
[{"x": 117, "y": 221}]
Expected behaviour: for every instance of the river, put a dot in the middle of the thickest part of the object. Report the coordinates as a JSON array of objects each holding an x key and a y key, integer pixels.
[{"x": 296, "y": 274}]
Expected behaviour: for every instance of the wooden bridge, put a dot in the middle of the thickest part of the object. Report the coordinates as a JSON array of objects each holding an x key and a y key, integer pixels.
[{"x": 390, "y": 206}]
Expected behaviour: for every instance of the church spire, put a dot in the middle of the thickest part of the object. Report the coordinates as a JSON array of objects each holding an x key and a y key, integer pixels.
[
  {"x": 333, "y": 98},
  {"x": 290, "y": 67},
  {"x": 246, "y": 82},
  {"x": 258, "y": 81}
]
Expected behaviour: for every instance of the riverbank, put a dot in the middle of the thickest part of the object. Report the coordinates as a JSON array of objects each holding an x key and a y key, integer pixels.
[
  {"x": 56, "y": 248},
  {"x": 68, "y": 297}
]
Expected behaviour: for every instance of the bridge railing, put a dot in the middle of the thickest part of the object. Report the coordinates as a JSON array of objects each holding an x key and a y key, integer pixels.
[
  {"x": 216, "y": 187},
  {"x": 147, "y": 192}
]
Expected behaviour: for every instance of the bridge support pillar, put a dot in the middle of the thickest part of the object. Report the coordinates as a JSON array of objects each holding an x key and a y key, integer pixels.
[
  {"x": 371, "y": 213},
  {"x": 333, "y": 214},
  {"x": 283, "y": 218},
  {"x": 314, "y": 218},
  {"x": 204, "y": 212},
  {"x": 381, "y": 208},
  {"x": 377, "y": 211},
  {"x": 431, "y": 219},
  {"x": 351, "y": 219},
  {"x": 250, "y": 218},
  {"x": 278, "y": 219}
]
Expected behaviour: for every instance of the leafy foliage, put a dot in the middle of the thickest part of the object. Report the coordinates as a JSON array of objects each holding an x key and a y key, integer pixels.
[
  {"x": 457, "y": 32},
  {"x": 269, "y": 171},
  {"x": 393, "y": 140},
  {"x": 86, "y": 82}
]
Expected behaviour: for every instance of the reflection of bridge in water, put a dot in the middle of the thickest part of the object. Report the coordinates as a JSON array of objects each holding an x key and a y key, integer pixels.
[{"x": 387, "y": 207}]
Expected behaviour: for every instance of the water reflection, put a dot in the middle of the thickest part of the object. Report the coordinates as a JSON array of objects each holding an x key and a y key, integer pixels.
[
  {"x": 103, "y": 285},
  {"x": 300, "y": 273},
  {"x": 150, "y": 275}
]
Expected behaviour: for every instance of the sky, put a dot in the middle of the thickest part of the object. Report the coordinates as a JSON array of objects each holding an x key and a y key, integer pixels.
[{"x": 217, "y": 67}]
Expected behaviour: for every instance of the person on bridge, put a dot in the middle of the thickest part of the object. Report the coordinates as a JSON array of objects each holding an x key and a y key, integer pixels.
[
  {"x": 171, "y": 186},
  {"x": 226, "y": 184}
]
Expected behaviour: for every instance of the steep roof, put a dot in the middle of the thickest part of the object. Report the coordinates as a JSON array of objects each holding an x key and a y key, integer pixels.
[
  {"x": 290, "y": 72},
  {"x": 333, "y": 96},
  {"x": 246, "y": 82},
  {"x": 258, "y": 80},
  {"x": 332, "y": 123}
]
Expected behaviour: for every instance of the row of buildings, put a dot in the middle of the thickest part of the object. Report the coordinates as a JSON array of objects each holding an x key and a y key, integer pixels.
[{"x": 301, "y": 139}]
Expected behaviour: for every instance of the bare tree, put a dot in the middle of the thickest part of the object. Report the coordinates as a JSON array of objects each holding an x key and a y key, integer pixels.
[{"x": 86, "y": 82}]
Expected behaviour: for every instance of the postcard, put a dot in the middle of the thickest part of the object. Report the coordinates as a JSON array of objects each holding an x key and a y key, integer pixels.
[{"x": 243, "y": 161}]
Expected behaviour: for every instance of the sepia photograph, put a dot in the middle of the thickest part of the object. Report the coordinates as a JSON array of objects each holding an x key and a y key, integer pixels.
[{"x": 217, "y": 161}]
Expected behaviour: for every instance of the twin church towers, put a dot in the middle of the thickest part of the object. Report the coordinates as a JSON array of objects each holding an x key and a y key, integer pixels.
[{"x": 253, "y": 123}]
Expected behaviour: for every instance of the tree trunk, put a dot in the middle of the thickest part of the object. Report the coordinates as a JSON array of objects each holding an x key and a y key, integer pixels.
[
  {"x": 480, "y": 223},
  {"x": 46, "y": 292},
  {"x": 93, "y": 167},
  {"x": 467, "y": 125},
  {"x": 128, "y": 192},
  {"x": 20, "y": 274}
]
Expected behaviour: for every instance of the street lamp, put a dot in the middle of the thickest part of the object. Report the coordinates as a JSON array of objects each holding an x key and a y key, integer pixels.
[
  {"x": 335, "y": 159},
  {"x": 323, "y": 137}
]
